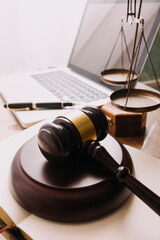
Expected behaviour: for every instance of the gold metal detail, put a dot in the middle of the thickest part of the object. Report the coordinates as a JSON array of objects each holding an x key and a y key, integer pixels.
[
  {"x": 34, "y": 106},
  {"x": 109, "y": 120},
  {"x": 18, "y": 109},
  {"x": 83, "y": 124},
  {"x": 62, "y": 105}
]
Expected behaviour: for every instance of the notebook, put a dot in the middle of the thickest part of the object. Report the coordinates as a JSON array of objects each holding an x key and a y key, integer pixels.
[{"x": 80, "y": 80}]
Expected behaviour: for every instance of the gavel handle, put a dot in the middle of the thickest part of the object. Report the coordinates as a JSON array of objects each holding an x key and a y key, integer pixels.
[
  {"x": 144, "y": 193},
  {"x": 100, "y": 154}
]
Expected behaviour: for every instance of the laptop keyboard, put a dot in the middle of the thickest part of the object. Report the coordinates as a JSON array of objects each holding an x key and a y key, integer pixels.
[{"x": 68, "y": 88}]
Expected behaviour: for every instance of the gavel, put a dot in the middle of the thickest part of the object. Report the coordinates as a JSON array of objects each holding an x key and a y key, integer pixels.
[{"x": 79, "y": 132}]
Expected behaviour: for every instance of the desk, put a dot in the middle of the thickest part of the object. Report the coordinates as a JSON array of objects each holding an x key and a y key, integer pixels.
[
  {"x": 134, "y": 220},
  {"x": 148, "y": 142}
]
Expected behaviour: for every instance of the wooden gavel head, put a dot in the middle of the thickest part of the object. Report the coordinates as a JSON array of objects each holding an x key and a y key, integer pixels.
[{"x": 67, "y": 136}]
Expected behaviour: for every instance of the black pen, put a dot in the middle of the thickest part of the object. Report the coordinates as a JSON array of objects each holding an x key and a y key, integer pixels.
[{"x": 35, "y": 106}]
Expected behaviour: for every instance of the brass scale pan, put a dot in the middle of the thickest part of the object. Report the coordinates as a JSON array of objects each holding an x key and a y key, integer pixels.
[
  {"x": 117, "y": 76},
  {"x": 139, "y": 100}
]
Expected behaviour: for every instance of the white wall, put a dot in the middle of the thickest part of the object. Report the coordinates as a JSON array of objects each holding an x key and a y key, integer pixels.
[{"x": 37, "y": 33}]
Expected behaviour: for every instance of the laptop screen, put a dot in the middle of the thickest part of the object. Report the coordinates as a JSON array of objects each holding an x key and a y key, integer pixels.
[{"x": 99, "y": 30}]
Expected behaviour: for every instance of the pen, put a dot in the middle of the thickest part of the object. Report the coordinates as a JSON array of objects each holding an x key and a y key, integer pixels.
[{"x": 36, "y": 106}]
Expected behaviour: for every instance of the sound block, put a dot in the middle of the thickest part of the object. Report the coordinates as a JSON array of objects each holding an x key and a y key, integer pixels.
[{"x": 75, "y": 193}]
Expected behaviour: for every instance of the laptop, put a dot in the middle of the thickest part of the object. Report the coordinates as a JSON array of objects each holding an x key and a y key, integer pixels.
[{"x": 80, "y": 80}]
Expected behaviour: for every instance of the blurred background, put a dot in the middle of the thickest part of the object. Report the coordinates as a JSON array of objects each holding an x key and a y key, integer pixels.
[{"x": 31, "y": 30}]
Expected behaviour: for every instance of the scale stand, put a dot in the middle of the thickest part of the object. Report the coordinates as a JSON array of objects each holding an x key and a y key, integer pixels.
[{"x": 130, "y": 99}]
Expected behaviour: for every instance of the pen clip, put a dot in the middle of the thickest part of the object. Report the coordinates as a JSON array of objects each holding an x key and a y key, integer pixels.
[{"x": 18, "y": 109}]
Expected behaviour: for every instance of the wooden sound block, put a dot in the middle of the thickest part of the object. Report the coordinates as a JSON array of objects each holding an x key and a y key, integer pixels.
[
  {"x": 123, "y": 123},
  {"x": 74, "y": 193}
]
